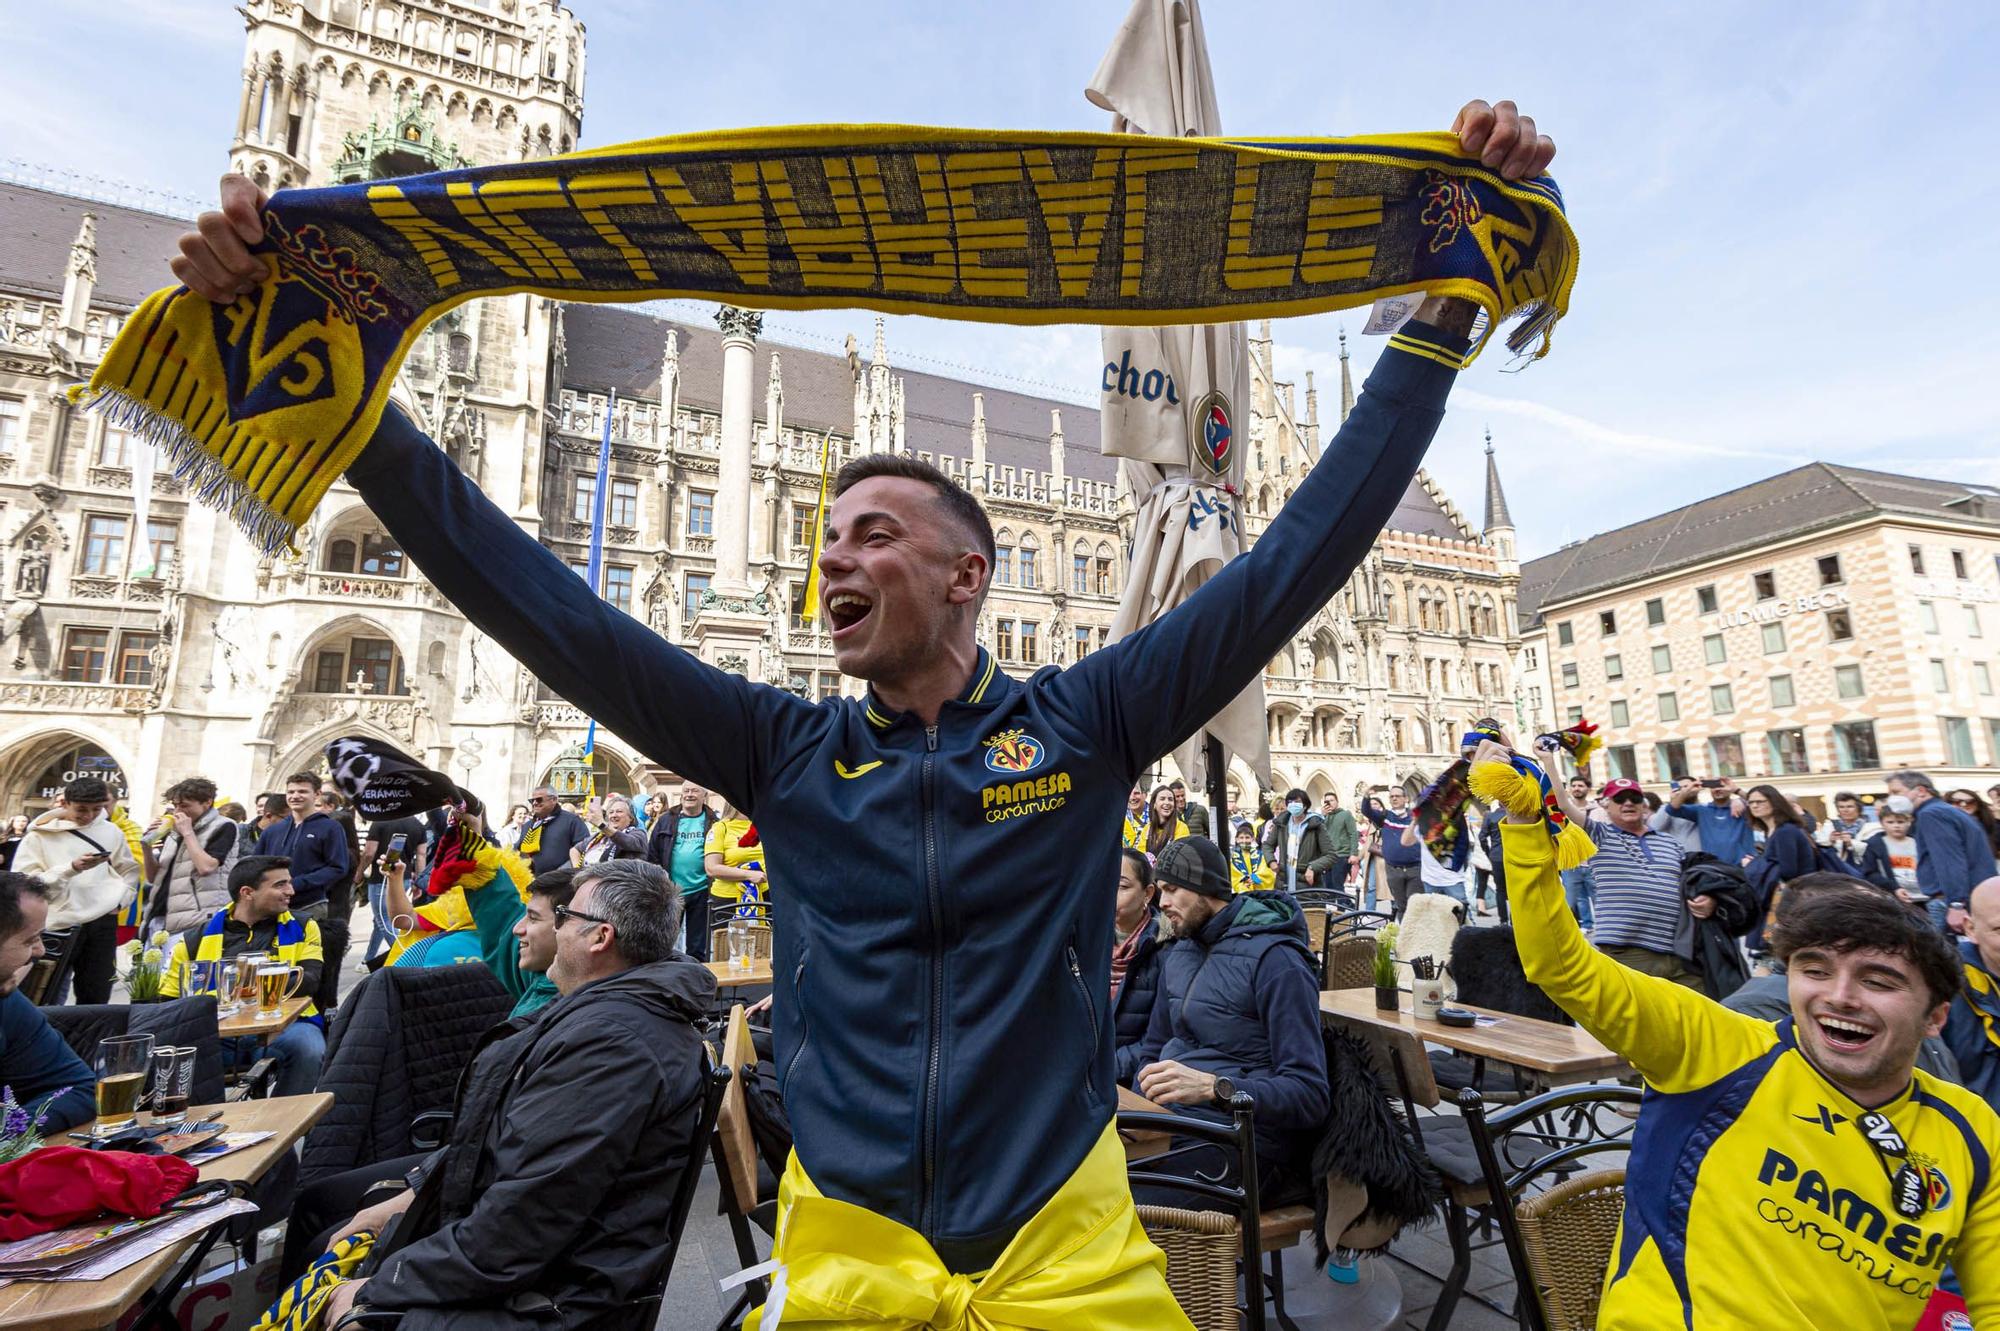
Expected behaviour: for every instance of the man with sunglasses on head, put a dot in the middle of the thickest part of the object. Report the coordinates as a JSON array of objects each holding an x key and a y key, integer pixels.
[{"x": 574, "y": 1124}]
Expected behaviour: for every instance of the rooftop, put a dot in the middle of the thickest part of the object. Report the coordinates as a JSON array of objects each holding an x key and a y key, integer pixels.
[{"x": 1792, "y": 503}]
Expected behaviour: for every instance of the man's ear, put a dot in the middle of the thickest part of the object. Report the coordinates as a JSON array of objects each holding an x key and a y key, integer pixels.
[
  {"x": 968, "y": 579},
  {"x": 1935, "y": 1022}
]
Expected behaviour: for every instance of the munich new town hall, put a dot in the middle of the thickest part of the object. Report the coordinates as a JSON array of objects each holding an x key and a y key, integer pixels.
[{"x": 148, "y": 654}]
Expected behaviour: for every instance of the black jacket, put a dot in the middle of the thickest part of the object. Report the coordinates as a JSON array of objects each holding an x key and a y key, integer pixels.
[
  {"x": 573, "y": 1127},
  {"x": 1710, "y": 945},
  {"x": 1875, "y": 866},
  {"x": 1133, "y": 1007},
  {"x": 559, "y": 833},
  {"x": 904, "y": 962}
]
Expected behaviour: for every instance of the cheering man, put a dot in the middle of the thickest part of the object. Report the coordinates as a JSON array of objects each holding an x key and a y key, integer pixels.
[
  {"x": 945, "y": 1054},
  {"x": 1802, "y": 1174}
]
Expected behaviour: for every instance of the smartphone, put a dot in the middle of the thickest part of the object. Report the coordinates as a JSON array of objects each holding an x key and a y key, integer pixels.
[
  {"x": 1711, "y": 783},
  {"x": 394, "y": 855}
]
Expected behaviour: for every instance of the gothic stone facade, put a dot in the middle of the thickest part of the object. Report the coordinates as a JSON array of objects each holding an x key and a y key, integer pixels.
[{"x": 218, "y": 662}]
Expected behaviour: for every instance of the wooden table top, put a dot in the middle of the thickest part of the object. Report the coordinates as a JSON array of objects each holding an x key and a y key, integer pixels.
[
  {"x": 84, "y": 1305},
  {"x": 247, "y": 1022},
  {"x": 1141, "y": 1142},
  {"x": 734, "y": 977},
  {"x": 1544, "y": 1046}
]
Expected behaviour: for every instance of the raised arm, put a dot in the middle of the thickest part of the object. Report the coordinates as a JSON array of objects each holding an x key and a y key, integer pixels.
[{"x": 715, "y": 727}]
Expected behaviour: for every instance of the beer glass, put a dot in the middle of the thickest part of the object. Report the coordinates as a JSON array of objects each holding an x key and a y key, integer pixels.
[
  {"x": 173, "y": 1083},
  {"x": 205, "y": 978},
  {"x": 276, "y": 982},
  {"x": 243, "y": 986},
  {"x": 739, "y": 945},
  {"x": 123, "y": 1064}
]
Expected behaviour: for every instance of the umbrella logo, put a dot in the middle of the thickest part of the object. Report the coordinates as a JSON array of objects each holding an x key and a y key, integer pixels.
[
  {"x": 1216, "y": 436},
  {"x": 1013, "y": 751}
]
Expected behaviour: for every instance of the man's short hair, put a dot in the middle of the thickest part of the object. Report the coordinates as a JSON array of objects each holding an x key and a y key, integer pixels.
[
  {"x": 14, "y": 886},
  {"x": 1846, "y": 797},
  {"x": 271, "y": 803},
  {"x": 953, "y": 498},
  {"x": 197, "y": 788},
  {"x": 1913, "y": 778},
  {"x": 639, "y": 902},
  {"x": 557, "y": 885},
  {"x": 1296, "y": 794},
  {"x": 87, "y": 790},
  {"x": 250, "y": 870},
  {"x": 1815, "y": 916},
  {"x": 233, "y": 811},
  {"x": 1176, "y": 784},
  {"x": 302, "y": 778}
]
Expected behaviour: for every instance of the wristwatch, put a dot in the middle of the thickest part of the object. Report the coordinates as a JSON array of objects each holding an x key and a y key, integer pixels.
[{"x": 1225, "y": 1090}]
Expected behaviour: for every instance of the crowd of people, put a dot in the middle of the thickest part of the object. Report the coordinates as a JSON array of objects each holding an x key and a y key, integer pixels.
[{"x": 948, "y": 1060}]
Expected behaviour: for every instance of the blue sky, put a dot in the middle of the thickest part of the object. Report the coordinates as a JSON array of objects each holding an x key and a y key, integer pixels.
[{"x": 1786, "y": 212}]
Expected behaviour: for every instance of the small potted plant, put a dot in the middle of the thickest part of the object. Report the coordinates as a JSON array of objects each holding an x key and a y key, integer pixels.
[
  {"x": 20, "y": 1131},
  {"x": 143, "y": 979},
  {"x": 1387, "y": 994}
]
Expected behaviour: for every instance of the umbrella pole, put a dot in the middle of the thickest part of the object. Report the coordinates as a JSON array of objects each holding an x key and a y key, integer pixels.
[{"x": 1218, "y": 790}]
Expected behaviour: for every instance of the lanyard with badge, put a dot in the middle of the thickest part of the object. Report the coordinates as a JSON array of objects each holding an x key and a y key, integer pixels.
[{"x": 1906, "y": 1186}]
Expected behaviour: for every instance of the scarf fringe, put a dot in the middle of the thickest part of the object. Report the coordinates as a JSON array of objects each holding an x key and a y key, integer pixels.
[{"x": 206, "y": 476}]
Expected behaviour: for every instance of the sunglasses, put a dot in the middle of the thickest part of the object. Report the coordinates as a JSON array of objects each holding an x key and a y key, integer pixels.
[
  {"x": 1967, "y": 800},
  {"x": 564, "y": 914},
  {"x": 1628, "y": 797}
]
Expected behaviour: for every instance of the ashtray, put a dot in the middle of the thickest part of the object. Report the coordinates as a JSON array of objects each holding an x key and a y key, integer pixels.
[{"x": 1457, "y": 1016}]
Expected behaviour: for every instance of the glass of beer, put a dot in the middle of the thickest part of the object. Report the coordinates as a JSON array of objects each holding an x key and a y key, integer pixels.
[
  {"x": 123, "y": 1064},
  {"x": 204, "y": 978},
  {"x": 173, "y": 1083},
  {"x": 243, "y": 984},
  {"x": 276, "y": 982}
]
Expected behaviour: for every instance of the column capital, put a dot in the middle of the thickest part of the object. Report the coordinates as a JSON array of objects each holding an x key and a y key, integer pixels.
[{"x": 736, "y": 322}]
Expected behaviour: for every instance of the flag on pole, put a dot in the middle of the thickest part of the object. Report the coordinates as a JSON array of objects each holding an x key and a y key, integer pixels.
[
  {"x": 809, "y": 608},
  {"x": 594, "y": 568},
  {"x": 142, "y": 564},
  {"x": 1176, "y": 401}
]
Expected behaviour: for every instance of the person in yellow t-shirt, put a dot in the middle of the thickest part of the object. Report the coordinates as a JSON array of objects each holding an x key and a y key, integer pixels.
[
  {"x": 1802, "y": 1174},
  {"x": 731, "y": 865},
  {"x": 1249, "y": 870},
  {"x": 1133, "y": 833}
]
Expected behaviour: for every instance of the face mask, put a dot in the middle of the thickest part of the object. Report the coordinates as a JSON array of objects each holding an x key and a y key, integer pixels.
[{"x": 1296, "y": 809}]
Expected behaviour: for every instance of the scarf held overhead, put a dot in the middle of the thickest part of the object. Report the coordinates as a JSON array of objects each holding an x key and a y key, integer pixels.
[{"x": 262, "y": 403}]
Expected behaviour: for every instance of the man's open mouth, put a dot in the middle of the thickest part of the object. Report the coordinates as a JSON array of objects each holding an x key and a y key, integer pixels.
[
  {"x": 846, "y": 609},
  {"x": 1846, "y": 1036}
]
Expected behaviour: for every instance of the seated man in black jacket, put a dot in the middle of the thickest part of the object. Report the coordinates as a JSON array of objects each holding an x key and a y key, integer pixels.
[
  {"x": 549, "y": 1204},
  {"x": 1253, "y": 1026}
]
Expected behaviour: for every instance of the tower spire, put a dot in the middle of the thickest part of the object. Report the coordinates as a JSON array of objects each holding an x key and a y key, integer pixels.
[
  {"x": 1497, "y": 515},
  {"x": 1346, "y": 381}
]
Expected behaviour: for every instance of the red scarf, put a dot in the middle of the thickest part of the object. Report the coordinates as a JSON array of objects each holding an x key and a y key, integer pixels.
[{"x": 1121, "y": 956}]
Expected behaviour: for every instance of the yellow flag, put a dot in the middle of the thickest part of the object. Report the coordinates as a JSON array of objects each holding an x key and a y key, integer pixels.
[{"x": 810, "y": 610}]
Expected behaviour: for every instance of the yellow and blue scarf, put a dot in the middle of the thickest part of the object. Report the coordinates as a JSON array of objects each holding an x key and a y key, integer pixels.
[{"x": 262, "y": 403}]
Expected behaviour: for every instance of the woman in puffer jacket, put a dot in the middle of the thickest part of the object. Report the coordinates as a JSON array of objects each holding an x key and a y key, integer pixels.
[
  {"x": 188, "y": 858},
  {"x": 1135, "y": 958}
]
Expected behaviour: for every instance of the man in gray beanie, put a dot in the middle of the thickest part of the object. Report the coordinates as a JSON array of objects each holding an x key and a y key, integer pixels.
[{"x": 1254, "y": 1025}]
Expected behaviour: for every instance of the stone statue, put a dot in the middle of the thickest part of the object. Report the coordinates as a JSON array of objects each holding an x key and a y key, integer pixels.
[{"x": 31, "y": 570}]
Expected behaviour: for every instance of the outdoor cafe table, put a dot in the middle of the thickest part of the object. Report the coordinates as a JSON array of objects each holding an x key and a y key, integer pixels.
[
  {"x": 738, "y": 977},
  {"x": 1562, "y": 1053},
  {"x": 1141, "y": 1143},
  {"x": 84, "y": 1305},
  {"x": 247, "y": 1022}
]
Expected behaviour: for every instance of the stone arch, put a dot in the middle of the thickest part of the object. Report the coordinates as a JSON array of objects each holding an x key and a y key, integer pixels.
[
  {"x": 342, "y": 632},
  {"x": 482, "y": 112},
  {"x": 24, "y": 761},
  {"x": 507, "y": 118},
  {"x": 1326, "y": 658},
  {"x": 456, "y": 108},
  {"x": 356, "y": 542}
]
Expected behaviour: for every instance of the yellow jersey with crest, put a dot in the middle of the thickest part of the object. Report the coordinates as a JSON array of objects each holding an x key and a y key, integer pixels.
[{"x": 1752, "y": 1196}]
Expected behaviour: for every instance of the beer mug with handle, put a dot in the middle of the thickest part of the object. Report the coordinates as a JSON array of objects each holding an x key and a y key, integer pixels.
[{"x": 276, "y": 982}]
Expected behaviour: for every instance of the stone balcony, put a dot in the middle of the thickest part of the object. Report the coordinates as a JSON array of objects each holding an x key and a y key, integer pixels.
[{"x": 61, "y": 698}]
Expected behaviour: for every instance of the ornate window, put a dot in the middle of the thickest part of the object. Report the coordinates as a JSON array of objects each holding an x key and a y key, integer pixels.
[{"x": 372, "y": 663}]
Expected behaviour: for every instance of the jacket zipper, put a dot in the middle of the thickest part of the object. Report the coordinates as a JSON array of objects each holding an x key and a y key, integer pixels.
[
  {"x": 1090, "y": 1013},
  {"x": 805, "y": 1021},
  {"x": 928, "y": 1205}
]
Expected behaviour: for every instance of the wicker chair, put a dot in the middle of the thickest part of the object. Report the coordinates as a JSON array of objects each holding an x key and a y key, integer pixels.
[
  {"x": 760, "y": 942},
  {"x": 1202, "y": 1249},
  {"x": 1567, "y": 1234}
]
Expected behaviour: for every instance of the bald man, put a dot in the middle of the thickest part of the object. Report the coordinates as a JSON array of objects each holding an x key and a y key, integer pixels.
[{"x": 1973, "y": 1029}]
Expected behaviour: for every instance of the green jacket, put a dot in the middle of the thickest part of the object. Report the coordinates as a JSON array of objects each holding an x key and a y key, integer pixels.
[
  {"x": 496, "y": 908},
  {"x": 1342, "y": 837}
]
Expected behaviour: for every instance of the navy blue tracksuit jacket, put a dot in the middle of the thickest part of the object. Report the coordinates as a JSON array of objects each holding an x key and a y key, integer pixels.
[{"x": 944, "y": 932}]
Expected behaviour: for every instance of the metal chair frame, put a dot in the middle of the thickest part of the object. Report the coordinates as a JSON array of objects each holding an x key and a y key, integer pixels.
[{"x": 1556, "y": 1150}]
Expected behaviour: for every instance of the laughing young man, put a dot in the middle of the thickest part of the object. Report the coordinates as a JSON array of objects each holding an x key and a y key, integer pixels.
[
  {"x": 1802, "y": 1174},
  {"x": 944, "y": 1054}
]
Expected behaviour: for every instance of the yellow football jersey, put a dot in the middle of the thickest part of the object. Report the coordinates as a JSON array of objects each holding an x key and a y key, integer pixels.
[{"x": 1753, "y": 1198}]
